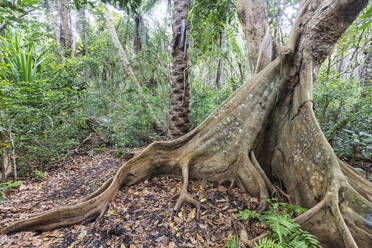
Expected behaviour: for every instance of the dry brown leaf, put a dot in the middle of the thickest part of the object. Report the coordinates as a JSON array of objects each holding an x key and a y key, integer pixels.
[{"x": 200, "y": 238}]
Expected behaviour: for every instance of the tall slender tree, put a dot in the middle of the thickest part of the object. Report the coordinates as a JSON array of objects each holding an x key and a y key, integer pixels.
[
  {"x": 137, "y": 36},
  {"x": 83, "y": 27},
  {"x": 66, "y": 27},
  {"x": 127, "y": 66},
  {"x": 179, "y": 120}
]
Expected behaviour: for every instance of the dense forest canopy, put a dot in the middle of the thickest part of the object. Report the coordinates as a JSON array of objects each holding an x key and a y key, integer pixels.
[{"x": 270, "y": 96}]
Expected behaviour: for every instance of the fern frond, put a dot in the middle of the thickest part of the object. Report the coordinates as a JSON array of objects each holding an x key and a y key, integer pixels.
[
  {"x": 246, "y": 214},
  {"x": 281, "y": 226},
  {"x": 232, "y": 242},
  {"x": 267, "y": 243}
]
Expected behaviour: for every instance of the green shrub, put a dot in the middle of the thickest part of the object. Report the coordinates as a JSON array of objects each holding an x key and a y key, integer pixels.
[
  {"x": 285, "y": 233},
  {"x": 39, "y": 100}
]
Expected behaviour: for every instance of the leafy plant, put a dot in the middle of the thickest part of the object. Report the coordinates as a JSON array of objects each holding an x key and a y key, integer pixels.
[
  {"x": 7, "y": 186},
  {"x": 267, "y": 243},
  {"x": 232, "y": 242},
  {"x": 285, "y": 233},
  {"x": 38, "y": 175},
  {"x": 38, "y": 95},
  {"x": 246, "y": 214},
  {"x": 20, "y": 57}
]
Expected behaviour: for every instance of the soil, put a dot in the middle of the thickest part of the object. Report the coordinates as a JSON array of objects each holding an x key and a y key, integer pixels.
[{"x": 139, "y": 216}]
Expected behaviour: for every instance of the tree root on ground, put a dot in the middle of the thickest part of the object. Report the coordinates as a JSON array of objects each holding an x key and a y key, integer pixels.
[
  {"x": 184, "y": 195},
  {"x": 349, "y": 221}
]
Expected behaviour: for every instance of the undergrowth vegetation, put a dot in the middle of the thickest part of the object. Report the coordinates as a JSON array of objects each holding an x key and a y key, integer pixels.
[
  {"x": 46, "y": 98},
  {"x": 284, "y": 233}
]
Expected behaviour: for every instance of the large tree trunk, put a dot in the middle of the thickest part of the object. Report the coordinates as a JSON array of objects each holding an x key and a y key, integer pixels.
[
  {"x": 254, "y": 19},
  {"x": 179, "y": 116},
  {"x": 270, "y": 116}
]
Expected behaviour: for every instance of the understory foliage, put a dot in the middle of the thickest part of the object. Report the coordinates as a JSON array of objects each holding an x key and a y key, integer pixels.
[
  {"x": 285, "y": 233},
  {"x": 38, "y": 100},
  {"x": 342, "y": 93},
  {"x": 46, "y": 99}
]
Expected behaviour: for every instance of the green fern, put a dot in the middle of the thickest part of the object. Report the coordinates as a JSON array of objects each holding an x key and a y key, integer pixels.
[
  {"x": 291, "y": 209},
  {"x": 267, "y": 243},
  {"x": 289, "y": 234},
  {"x": 232, "y": 242},
  {"x": 246, "y": 214},
  {"x": 281, "y": 225},
  {"x": 285, "y": 233}
]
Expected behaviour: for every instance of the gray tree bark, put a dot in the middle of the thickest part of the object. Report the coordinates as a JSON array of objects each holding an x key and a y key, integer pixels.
[{"x": 66, "y": 27}]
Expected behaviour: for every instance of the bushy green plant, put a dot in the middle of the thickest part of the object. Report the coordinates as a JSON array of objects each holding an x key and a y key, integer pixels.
[
  {"x": 285, "y": 233},
  {"x": 39, "y": 94},
  {"x": 204, "y": 100},
  {"x": 232, "y": 242}
]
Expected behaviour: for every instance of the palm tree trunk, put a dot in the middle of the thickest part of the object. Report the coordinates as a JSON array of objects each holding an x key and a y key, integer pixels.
[{"x": 179, "y": 121}]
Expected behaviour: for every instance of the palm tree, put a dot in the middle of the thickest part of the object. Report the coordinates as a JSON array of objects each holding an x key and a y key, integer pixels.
[{"x": 179, "y": 121}]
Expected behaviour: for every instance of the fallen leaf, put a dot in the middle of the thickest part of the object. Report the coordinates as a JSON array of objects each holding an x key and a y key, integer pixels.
[
  {"x": 171, "y": 224},
  {"x": 191, "y": 215},
  {"x": 200, "y": 238}
]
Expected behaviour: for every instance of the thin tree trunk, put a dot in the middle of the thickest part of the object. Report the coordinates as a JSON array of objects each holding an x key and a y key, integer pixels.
[
  {"x": 366, "y": 75},
  {"x": 66, "y": 27},
  {"x": 179, "y": 121},
  {"x": 54, "y": 20},
  {"x": 2, "y": 26},
  {"x": 84, "y": 28},
  {"x": 5, "y": 158},
  {"x": 219, "y": 65},
  {"x": 137, "y": 37},
  {"x": 127, "y": 66},
  {"x": 326, "y": 100}
]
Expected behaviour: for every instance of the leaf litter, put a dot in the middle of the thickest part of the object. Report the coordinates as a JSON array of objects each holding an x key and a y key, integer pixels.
[{"x": 140, "y": 215}]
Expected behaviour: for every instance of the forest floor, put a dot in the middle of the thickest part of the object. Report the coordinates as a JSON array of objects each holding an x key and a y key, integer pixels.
[{"x": 139, "y": 216}]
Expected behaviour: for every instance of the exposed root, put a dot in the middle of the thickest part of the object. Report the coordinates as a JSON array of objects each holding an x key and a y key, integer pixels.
[
  {"x": 96, "y": 203},
  {"x": 357, "y": 181},
  {"x": 251, "y": 242},
  {"x": 356, "y": 222},
  {"x": 303, "y": 218},
  {"x": 253, "y": 182},
  {"x": 272, "y": 188},
  {"x": 99, "y": 191},
  {"x": 341, "y": 225},
  {"x": 185, "y": 196}
]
